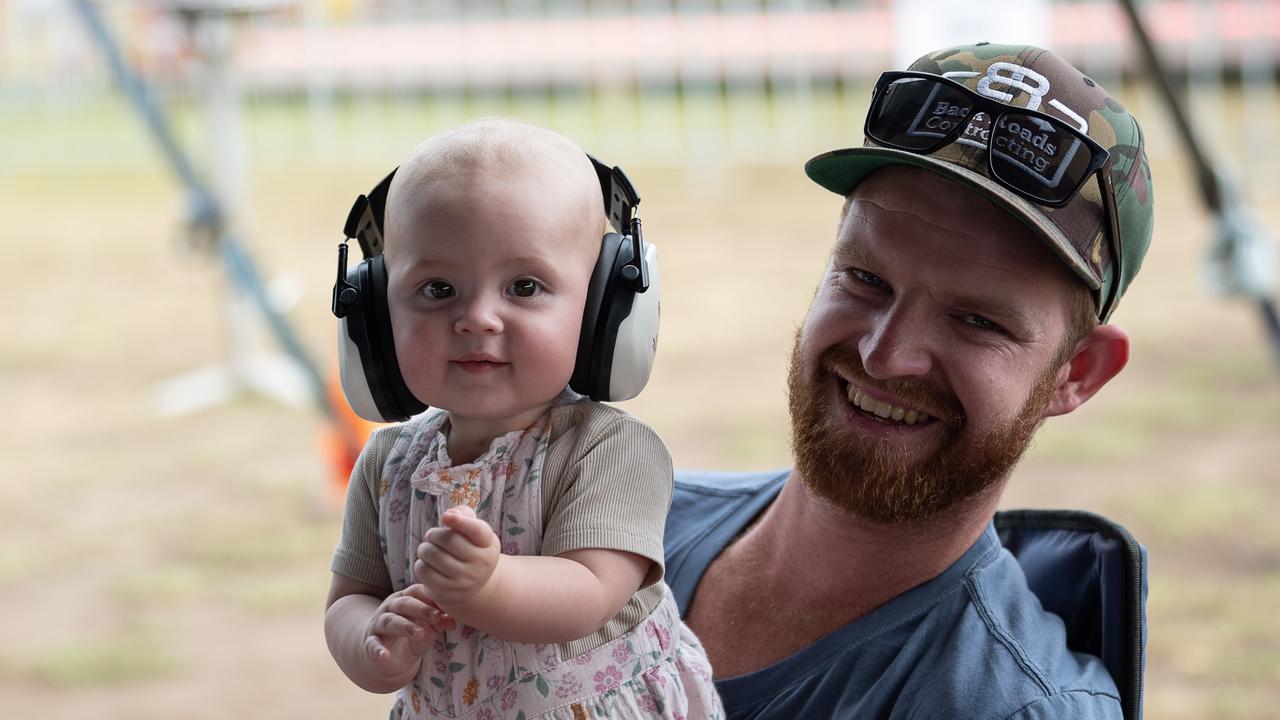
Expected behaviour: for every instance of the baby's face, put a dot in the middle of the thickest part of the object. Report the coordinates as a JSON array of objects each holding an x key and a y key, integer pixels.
[{"x": 486, "y": 287}]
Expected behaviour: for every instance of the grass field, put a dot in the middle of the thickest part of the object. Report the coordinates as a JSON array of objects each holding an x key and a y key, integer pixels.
[{"x": 176, "y": 567}]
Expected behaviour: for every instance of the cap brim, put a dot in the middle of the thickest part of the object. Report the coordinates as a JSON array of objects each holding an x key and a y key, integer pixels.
[{"x": 841, "y": 170}]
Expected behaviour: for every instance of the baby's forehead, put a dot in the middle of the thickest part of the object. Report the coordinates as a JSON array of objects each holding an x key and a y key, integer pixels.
[
  {"x": 531, "y": 195},
  {"x": 497, "y": 219},
  {"x": 494, "y": 171},
  {"x": 494, "y": 146}
]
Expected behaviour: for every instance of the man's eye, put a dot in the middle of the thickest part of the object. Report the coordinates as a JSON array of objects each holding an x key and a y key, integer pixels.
[
  {"x": 866, "y": 278},
  {"x": 439, "y": 290},
  {"x": 525, "y": 288},
  {"x": 980, "y": 322}
]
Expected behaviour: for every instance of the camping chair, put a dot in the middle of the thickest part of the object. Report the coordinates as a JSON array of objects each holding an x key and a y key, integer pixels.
[{"x": 1090, "y": 572}]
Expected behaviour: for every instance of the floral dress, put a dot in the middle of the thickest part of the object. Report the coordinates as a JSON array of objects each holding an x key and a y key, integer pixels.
[{"x": 657, "y": 669}]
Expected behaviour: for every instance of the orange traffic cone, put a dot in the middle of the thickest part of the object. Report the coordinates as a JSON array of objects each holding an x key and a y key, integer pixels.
[{"x": 341, "y": 441}]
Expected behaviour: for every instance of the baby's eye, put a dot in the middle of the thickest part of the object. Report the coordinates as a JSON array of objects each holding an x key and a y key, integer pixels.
[
  {"x": 525, "y": 287},
  {"x": 438, "y": 290}
]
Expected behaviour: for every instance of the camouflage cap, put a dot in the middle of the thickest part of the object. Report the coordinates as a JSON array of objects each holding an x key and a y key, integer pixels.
[{"x": 1036, "y": 79}]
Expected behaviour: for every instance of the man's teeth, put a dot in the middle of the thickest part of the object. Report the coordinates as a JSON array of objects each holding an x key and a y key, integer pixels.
[{"x": 883, "y": 409}]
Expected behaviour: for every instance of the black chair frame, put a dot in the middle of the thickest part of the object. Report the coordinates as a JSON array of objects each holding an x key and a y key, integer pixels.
[{"x": 1110, "y": 566}]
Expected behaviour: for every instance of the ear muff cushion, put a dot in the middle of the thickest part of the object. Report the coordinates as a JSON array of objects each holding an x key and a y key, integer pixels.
[
  {"x": 586, "y": 370},
  {"x": 399, "y": 398},
  {"x": 378, "y": 353}
]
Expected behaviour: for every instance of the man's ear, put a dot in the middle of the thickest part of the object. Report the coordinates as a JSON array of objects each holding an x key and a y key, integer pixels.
[{"x": 1097, "y": 358}]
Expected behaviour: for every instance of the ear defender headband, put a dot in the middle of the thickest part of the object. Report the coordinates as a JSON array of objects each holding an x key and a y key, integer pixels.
[{"x": 616, "y": 345}]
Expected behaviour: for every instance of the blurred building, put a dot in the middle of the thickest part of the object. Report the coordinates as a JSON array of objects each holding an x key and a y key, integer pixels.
[{"x": 609, "y": 54}]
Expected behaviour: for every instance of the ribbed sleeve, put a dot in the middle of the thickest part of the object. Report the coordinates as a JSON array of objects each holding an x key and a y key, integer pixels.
[
  {"x": 359, "y": 554},
  {"x": 607, "y": 483},
  {"x": 614, "y": 490}
]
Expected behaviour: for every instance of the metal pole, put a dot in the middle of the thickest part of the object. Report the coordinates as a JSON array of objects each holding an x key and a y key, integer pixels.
[
  {"x": 1205, "y": 174},
  {"x": 1241, "y": 261},
  {"x": 206, "y": 213}
]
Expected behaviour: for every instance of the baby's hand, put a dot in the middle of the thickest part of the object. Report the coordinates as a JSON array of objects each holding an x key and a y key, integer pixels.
[
  {"x": 402, "y": 629},
  {"x": 456, "y": 561}
]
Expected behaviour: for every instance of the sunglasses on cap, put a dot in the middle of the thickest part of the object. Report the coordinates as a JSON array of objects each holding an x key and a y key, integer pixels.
[{"x": 1036, "y": 156}]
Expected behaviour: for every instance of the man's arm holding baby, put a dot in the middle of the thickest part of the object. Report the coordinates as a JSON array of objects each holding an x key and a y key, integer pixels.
[{"x": 524, "y": 598}]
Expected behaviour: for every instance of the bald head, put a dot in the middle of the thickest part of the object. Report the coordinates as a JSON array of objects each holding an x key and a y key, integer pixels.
[{"x": 529, "y": 167}]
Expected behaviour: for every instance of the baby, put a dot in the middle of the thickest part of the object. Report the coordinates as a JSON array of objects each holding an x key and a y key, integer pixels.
[{"x": 501, "y": 554}]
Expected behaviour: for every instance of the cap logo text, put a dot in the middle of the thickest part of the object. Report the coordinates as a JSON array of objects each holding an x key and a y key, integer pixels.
[{"x": 1017, "y": 79}]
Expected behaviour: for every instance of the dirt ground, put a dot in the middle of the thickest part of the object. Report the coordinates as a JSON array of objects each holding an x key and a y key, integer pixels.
[{"x": 162, "y": 567}]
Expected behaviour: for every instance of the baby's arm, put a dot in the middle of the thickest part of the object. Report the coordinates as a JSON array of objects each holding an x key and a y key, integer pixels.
[
  {"x": 523, "y": 598},
  {"x": 379, "y": 638}
]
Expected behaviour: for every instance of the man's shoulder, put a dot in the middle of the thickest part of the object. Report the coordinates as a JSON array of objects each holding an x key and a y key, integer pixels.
[
  {"x": 704, "y": 500},
  {"x": 1028, "y": 646},
  {"x": 699, "y": 485},
  {"x": 972, "y": 643},
  {"x": 708, "y": 510}
]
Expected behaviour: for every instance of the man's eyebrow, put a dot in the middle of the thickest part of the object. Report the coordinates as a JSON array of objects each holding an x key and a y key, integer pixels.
[
  {"x": 1006, "y": 312},
  {"x": 851, "y": 251}
]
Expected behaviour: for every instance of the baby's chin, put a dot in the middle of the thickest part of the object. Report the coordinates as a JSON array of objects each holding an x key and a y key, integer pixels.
[{"x": 498, "y": 412}]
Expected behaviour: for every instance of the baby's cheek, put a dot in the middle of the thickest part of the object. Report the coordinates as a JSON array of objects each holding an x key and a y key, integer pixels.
[{"x": 554, "y": 347}]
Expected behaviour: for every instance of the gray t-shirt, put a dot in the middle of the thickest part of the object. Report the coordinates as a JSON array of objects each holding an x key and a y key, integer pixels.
[{"x": 973, "y": 643}]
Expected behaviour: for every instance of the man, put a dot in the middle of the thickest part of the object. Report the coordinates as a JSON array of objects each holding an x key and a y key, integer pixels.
[{"x": 999, "y": 209}]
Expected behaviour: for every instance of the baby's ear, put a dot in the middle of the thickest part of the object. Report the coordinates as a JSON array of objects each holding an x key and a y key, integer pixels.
[{"x": 1097, "y": 358}]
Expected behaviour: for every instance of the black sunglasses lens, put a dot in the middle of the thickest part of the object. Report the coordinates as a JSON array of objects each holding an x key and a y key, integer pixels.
[
  {"x": 917, "y": 114},
  {"x": 1042, "y": 159}
]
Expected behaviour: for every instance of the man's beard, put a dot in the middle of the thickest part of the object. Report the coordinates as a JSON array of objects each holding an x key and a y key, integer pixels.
[{"x": 871, "y": 478}]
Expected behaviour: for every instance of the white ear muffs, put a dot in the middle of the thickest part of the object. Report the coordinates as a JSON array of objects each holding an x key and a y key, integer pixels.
[
  {"x": 367, "y": 365},
  {"x": 620, "y": 320},
  {"x": 637, "y": 337},
  {"x": 355, "y": 386}
]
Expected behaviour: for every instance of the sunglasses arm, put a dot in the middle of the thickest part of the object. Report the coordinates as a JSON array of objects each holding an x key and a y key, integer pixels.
[{"x": 1113, "y": 242}]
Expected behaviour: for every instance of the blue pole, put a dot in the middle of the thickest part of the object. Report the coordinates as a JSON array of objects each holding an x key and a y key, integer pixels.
[{"x": 205, "y": 211}]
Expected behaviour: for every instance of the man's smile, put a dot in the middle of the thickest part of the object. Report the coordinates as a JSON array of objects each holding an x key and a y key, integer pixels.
[
  {"x": 872, "y": 424},
  {"x": 882, "y": 410},
  {"x": 900, "y": 405}
]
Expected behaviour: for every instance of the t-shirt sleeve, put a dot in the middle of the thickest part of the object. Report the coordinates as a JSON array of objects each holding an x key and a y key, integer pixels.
[
  {"x": 1072, "y": 705},
  {"x": 359, "y": 554},
  {"x": 614, "y": 493}
]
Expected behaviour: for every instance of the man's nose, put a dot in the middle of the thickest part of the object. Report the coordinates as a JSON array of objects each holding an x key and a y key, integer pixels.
[
  {"x": 480, "y": 315},
  {"x": 897, "y": 344}
]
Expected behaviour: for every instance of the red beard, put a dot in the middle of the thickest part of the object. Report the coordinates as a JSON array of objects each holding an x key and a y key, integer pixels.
[{"x": 871, "y": 478}]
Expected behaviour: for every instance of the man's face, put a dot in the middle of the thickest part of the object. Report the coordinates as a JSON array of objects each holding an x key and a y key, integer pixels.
[{"x": 930, "y": 352}]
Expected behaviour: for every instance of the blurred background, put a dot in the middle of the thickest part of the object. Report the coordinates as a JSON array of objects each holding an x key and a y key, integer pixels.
[{"x": 170, "y": 479}]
